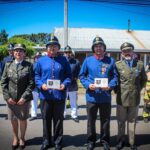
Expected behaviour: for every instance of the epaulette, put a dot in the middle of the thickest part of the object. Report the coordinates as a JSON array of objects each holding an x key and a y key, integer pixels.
[
  {"x": 117, "y": 62},
  {"x": 8, "y": 62}
]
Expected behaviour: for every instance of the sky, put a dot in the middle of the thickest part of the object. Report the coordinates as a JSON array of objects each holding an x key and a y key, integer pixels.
[{"x": 45, "y": 16}]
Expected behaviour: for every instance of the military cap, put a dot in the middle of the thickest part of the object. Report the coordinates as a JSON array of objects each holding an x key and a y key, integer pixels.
[
  {"x": 53, "y": 41},
  {"x": 20, "y": 46},
  {"x": 10, "y": 47},
  {"x": 98, "y": 40},
  {"x": 126, "y": 46}
]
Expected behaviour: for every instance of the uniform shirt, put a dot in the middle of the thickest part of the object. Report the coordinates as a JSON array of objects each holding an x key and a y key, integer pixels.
[
  {"x": 18, "y": 82},
  {"x": 52, "y": 68},
  {"x": 131, "y": 81},
  {"x": 75, "y": 69},
  {"x": 5, "y": 60},
  {"x": 95, "y": 68}
]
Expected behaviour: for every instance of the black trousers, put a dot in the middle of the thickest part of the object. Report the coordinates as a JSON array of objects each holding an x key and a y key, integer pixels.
[
  {"x": 52, "y": 112},
  {"x": 105, "y": 112}
]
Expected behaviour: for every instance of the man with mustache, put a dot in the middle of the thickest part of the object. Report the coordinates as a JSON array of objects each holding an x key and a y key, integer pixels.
[{"x": 132, "y": 78}]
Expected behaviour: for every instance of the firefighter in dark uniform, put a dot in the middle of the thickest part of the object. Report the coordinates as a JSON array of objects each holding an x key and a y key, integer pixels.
[
  {"x": 17, "y": 84},
  {"x": 73, "y": 87},
  {"x": 6, "y": 59},
  {"x": 10, "y": 57},
  {"x": 132, "y": 79}
]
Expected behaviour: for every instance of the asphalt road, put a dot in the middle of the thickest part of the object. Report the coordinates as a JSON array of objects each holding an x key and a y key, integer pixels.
[{"x": 74, "y": 133}]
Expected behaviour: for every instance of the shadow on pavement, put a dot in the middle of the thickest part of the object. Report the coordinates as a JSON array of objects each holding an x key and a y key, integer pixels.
[
  {"x": 3, "y": 115},
  {"x": 2, "y": 104},
  {"x": 34, "y": 141},
  {"x": 80, "y": 140}
]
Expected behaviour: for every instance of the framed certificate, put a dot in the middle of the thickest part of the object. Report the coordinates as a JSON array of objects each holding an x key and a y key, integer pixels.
[
  {"x": 101, "y": 82},
  {"x": 53, "y": 84}
]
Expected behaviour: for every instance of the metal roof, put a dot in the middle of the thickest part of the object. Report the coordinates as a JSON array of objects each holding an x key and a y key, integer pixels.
[{"x": 80, "y": 39}]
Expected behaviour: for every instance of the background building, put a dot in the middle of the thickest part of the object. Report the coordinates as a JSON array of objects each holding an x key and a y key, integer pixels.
[{"x": 80, "y": 39}]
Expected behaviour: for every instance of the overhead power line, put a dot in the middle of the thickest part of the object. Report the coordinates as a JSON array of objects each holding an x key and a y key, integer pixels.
[
  {"x": 141, "y": 3},
  {"x": 18, "y": 1}
]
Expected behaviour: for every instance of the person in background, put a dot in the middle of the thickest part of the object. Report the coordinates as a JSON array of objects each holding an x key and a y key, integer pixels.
[
  {"x": 147, "y": 68},
  {"x": 17, "y": 84},
  {"x": 10, "y": 57},
  {"x": 98, "y": 98},
  {"x": 35, "y": 93},
  {"x": 73, "y": 87},
  {"x": 132, "y": 79},
  {"x": 51, "y": 70},
  {"x": 146, "y": 109},
  {"x": 1, "y": 66}
]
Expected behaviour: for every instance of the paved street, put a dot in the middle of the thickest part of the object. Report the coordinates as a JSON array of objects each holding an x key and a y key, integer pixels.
[{"x": 74, "y": 133}]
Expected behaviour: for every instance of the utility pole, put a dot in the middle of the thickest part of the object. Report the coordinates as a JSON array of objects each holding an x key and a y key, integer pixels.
[
  {"x": 129, "y": 25},
  {"x": 65, "y": 23}
]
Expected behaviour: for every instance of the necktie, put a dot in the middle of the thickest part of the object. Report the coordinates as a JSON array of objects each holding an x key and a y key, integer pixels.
[{"x": 17, "y": 65}]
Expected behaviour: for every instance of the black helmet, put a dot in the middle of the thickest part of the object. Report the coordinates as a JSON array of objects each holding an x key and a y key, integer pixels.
[
  {"x": 37, "y": 55},
  {"x": 53, "y": 41},
  {"x": 10, "y": 47},
  {"x": 98, "y": 40},
  {"x": 67, "y": 49},
  {"x": 126, "y": 46},
  {"x": 20, "y": 46}
]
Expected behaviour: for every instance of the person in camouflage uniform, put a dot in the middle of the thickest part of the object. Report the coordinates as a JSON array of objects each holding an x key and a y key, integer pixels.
[
  {"x": 146, "y": 109},
  {"x": 132, "y": 78}
]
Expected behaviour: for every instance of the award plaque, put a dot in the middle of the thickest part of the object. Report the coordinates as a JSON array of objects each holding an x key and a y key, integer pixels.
[
  {"x": 101, "y": 82},
  {"x": 53, "y": 84}
]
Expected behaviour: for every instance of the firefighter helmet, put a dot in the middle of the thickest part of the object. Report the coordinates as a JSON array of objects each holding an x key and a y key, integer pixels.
[
  {"x": 98, "y": 40},
  {"x": 10, "y": 47},
  {"x": 53, "y": 41}
]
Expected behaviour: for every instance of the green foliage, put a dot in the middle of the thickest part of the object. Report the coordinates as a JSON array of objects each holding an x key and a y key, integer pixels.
[
  {"x": 3, "y": 51},
  {"x": 40, "y": 38},
  {"x": 14, "y": 40},
  {"x": 3, "y": 37},
  {"x": 21, "y": 40},
  {"x": 28, "y": 44},
  {"x": 29, "y": 51}
]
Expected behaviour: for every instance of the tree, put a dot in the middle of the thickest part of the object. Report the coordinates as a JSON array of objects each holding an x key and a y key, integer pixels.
[
  {"x": 28, "y": 44},
  {"x": 3, "y": 37}
]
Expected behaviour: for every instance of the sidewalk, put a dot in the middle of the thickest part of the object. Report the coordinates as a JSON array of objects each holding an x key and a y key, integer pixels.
[{"x": 74, "y": 133}]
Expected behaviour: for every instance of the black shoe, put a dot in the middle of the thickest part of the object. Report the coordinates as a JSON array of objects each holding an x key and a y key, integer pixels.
[
  {"x": 146, "y": 119},
  {"x": 75, "y": 120},
  {"x": 120, "y": 145},
  {"x": 90, "y": 146},
  {"x": 45, "y": 147},
  {"x": 14, "y": 147},
  {"x": 6, "y": 118},
  {"x": 32, "y": 118},
  {"x": 58, "y": 147},
  {"x": 106, "y": 146},
  {"x": 21, "y": 147},
  {"x": 133, "y": 147}
]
